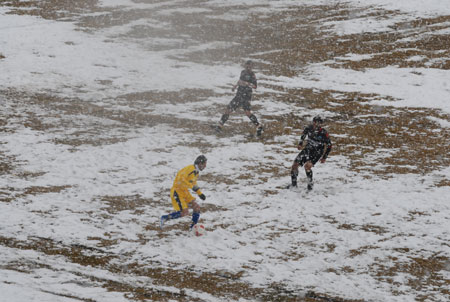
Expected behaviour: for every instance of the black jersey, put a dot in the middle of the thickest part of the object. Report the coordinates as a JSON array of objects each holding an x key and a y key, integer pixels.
[
  {"x": 318, "y": 138},
  {"x": 247, "y": 76}
]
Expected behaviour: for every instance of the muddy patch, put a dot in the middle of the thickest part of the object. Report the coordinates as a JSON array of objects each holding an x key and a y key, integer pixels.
[{"x": 380, "y": 140}]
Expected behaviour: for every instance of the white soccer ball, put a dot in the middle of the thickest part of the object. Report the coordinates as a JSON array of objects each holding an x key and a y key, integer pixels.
[{"x": 199, "y": 229}]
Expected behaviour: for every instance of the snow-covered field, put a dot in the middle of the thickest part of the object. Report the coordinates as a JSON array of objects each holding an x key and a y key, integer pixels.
[{"x": 102, "y": 103}]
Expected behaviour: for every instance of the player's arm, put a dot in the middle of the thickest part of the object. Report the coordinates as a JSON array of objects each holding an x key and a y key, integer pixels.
[
  {"x": 192, "y": 180},
  {"x": 196, "y": 188},
  {"x": 244, "y": 83},
  {"x": 248, "y": 84},
  {"x": 239, "y": 82},
  {"x": 254, "y": 82},
  {"x": 302, "y": 138}
]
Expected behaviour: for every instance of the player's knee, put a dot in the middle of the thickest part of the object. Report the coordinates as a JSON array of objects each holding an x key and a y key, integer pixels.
[
  {"x": 308, "y": 166},
  {"x": 195, "y": 206},
  {"x": 184, "y": 212}
]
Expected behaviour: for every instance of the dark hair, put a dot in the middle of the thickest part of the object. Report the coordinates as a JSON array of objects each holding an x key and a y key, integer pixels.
[
  {"x": 318, "y": 119},
  {"x": 249, "y": 62},
  {"x": 201, "y": 159}
]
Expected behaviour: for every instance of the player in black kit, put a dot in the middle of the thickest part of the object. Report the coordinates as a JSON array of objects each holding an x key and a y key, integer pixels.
[
  {"x": 245, "y": 85},
  {"x": 317, "y": 148}
]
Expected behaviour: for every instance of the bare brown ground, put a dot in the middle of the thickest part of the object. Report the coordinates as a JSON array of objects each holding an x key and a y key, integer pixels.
[{"x": 286, "y": 42}]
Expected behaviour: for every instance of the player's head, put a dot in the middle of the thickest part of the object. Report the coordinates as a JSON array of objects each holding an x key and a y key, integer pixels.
[
  {"x": 249, "y": 64},
  {"x": 317, "y": 120},
  {"x": 200, "y": 162}
]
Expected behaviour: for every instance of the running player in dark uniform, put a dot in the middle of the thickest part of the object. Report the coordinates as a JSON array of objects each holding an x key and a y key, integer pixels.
[
  {"x": 247, "y": 82},
  {"x": 317, "y": 148}
]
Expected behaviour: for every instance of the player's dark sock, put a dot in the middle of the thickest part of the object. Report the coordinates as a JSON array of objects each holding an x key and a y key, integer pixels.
[
  {"x": 254, "y": 119},
  {"x": 218, "y": 128},
  {"x": 259, "y": 130},
  {"x": 173, "y": 215},
  {"x": 224, "y": 119},
  {"x": 309, "y": 176},
  {"x": 294, "y": 175},
  {"x": 195, "y": 217}
]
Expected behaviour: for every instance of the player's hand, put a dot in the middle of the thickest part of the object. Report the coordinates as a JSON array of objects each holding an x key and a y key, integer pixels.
[
  {"x": 202, "y": 196},
  {"x": 299, "y": 147}
]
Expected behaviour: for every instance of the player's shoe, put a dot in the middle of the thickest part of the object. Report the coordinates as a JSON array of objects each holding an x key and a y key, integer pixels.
[
  {"x": 218, "y": 129},
  {"x": 310, "y": 186},
  {"x": 291, "y": 186},
  {"x": 259, "y": 131},
  {"x": 161, "y": 222}
]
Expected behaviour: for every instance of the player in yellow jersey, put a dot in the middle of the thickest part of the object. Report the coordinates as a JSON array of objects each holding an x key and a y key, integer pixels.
[{"x": 182, "y": 199}]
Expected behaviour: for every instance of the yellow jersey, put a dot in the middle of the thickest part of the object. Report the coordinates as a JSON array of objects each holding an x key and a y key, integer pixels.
[{"x": 187, "y": 179}]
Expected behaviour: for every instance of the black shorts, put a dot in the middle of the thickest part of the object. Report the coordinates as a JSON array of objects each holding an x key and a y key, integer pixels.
[
  {"x": 240, "y": 101},
  {"x": 308, "y": 154}
]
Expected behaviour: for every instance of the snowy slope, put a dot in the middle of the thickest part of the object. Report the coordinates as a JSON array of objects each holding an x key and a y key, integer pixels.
[{"x": 335, "y": 240}]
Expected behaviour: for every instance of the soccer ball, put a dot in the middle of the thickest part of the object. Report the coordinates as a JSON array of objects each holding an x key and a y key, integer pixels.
[{"x": 198, "y": 230}]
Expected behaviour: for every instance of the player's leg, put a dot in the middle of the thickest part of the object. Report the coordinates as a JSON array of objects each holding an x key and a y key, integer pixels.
[
  {"x": 179, "y": 205},
  {"x": 196, "y": 212},
  {"x": 309, "y": 174},
  {"x": 251, "y": 116},
  {"x": 254, "y": 120},
  {"x": 298, "y": 161},
  {"x": 226, "y": 115},
  {"x": 313, "y": 158},
  {"x": 294, "y": 174}
]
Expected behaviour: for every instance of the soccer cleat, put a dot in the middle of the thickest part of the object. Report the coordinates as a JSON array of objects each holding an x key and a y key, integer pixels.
[
  {"x": 161, "y": 222},
  {"x": 310, "y": 186},
  {"x": 218, "y": 129},
  {"x": 259, "y": 131}
]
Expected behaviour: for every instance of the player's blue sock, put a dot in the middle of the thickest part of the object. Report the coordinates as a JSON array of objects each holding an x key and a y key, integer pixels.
[
  {"x": 195, "y": 217},
  {"x": 173, "y": 215}
]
